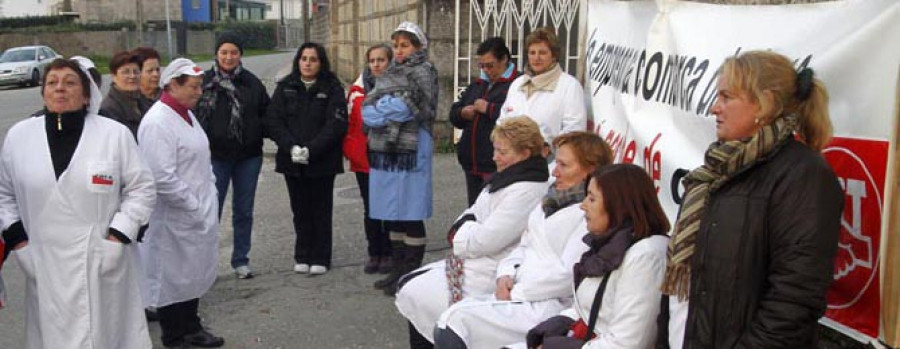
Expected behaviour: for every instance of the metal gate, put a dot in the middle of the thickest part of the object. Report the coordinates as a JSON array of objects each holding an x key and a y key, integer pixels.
[{"x": 477, "y": 20}]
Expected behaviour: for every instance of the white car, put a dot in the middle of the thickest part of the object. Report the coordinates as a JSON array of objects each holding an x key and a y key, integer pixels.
[{"x": 25, "y": 65}]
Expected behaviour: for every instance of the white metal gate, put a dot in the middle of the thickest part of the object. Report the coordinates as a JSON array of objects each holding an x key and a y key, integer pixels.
[{"x": 477, "y": 20}]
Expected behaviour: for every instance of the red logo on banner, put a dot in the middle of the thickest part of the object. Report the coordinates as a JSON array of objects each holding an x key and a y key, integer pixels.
[{"x": 854, "y": 298}]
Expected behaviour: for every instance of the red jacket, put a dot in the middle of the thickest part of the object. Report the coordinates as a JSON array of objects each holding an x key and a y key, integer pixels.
[{"x": 355, "y": 141}]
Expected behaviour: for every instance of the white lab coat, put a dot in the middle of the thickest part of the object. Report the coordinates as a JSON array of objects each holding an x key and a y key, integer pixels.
[
  {"x": 542, "y": 269},
  {"x": 180, "y": 251},
  {"x": 556, "y": 112},
  {"x": 501, "y": 218},
  {"x": 81, "y": 289}
]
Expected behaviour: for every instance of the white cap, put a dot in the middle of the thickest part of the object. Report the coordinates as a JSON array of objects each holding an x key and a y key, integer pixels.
[{"x": 179, "y": 67}]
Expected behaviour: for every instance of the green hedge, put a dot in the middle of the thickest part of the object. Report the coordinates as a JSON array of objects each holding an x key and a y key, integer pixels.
[
  {"x": 256, "y": 35},
  {"x": 64, "y": 27},
  {"x": 33, "y": 21}
]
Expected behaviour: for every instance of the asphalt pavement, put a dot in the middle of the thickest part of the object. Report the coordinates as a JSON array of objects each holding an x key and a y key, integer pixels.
[{"x": 278, "y": 308}]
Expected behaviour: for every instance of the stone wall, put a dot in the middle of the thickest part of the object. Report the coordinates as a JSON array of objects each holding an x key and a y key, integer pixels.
[
  {"x": 93, "y": 11},
  {"x": 107, "y": 43}
]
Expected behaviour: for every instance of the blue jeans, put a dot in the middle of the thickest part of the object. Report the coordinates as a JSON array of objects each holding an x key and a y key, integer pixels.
[{"x": 244, "y": 175}]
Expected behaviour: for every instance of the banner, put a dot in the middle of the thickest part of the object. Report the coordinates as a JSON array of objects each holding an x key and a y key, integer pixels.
[{"x": 651, "y": 73}]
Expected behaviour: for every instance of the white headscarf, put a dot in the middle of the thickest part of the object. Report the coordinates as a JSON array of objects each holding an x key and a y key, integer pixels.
[
  {"x": 413, "y": 29},
  {"x": 96, "y": 95}
]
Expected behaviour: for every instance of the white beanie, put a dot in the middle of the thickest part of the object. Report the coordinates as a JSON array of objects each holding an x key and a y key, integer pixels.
[{"x": 179, "y": 67}]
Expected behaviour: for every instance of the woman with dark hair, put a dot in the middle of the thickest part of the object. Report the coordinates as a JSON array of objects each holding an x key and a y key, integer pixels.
[
  {"x": 231, "y": 111},
  {"x": 753, "y": 247},
  {"x": 123, "y": 102},
  {"x": 545, "y": 93},
  {"x": 73, "y": 192},
  {"x": 399, "y": 113},
  {"x": 477, "y": 111},
  {"x": 148, "y": 60},
  {"x": 307, "y": 118},
  {"x": 615, "y": 304},
  {"x": 181, "y": 248},
  {"x": 378, "y": 58}
]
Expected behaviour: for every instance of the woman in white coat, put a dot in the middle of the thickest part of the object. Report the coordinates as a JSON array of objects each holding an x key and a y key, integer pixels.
[
  {"x": 545, "y": 93},
  {"x": 483, "y": 235},
  {"x": 616, "y": 295},
  {"x": 73, "y": 192},
  {"x": 180, "y": 249},
  {"x": 533, "y": 282}
]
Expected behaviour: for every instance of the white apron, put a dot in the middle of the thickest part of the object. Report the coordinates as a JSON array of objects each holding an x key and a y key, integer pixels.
[
  {"x": 180, "y": 252},
  {"x": 81, "y": 289},
  {"x": 542, "y": 269},
  {"x": 501, "y": 217}
]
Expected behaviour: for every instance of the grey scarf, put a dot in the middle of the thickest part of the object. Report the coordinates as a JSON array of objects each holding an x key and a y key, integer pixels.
[
  {"x": 556, "y": 200},
  {"x": 207, "y": 103}
]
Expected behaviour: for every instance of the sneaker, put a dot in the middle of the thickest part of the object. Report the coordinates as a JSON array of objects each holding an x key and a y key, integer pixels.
[
  {"x": 372, "y": 264},
  {"x": 301, "y": 268},
  {"x": 318, "y": 270},
  {"x": 243, "y": 272}
]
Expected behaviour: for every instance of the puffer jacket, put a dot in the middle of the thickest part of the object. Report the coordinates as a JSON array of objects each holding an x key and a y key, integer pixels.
[
  {"x": 764, "y": 255},
  {"x": 475, "y": 151},
  {"x": 254, "y": 103},
  {"x": 314, "y": 118}
]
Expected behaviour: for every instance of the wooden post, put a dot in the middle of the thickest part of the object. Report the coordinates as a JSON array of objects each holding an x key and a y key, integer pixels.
[{"x": 890, "y": 265}]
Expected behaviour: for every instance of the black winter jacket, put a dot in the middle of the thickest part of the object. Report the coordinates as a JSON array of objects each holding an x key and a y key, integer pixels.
[
  {"x": 314, "y": 118},
  {"x": 254, "y": 103},
  {"x": 764, "y": 255},
  {"x": 128, "y": 108},
  {"x": 475, "y": 151}
]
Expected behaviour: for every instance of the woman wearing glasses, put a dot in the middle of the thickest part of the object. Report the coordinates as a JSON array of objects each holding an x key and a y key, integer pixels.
[
  {"x": 477, "y": 110},
  {"x": 123, "y": 103}
]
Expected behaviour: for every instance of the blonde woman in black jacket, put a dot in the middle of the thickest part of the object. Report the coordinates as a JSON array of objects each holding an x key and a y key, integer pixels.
[{"x": 753, "y": 247}]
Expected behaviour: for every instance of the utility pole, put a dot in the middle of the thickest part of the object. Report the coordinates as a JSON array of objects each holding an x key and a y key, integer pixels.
[
  {"x": 169, "y": 30},
  {"x": 306, "y": 20},
  {"x": 140, "y": 23},
  {"x": 227, "y": 10}
]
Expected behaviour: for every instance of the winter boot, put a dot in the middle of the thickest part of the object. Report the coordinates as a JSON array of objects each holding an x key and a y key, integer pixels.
[
  {"x": 413, "y": 260},
  {"x": 397, "y": 257}
]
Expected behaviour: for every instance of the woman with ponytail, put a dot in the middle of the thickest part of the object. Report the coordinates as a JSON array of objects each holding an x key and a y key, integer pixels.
[{"x": 753, "y": 247}]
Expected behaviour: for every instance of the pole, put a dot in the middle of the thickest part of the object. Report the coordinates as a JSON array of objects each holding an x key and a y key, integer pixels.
[
  {"x": 140, "y": 23},
  {"x": 169, "y": 30},
  {"x": 305, "y": 20}
]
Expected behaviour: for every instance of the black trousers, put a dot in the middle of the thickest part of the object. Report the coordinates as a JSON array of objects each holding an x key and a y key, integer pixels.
[
  {"x": 312, "y": 201},
  {"x": 376, "y": 234},
  {"x": 179, "y": 319},
  {"x": 474, "y": 184}
]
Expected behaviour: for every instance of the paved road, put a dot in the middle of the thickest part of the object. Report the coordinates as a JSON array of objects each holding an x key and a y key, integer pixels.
[{"x": 280, "y": 309}]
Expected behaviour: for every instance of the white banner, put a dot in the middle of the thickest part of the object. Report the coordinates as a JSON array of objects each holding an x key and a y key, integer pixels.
[{"x": 651, "y": 72}]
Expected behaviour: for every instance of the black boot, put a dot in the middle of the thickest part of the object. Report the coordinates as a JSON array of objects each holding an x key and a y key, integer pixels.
[
  {"x": 398, "y": 255},
  {"x": 413, "y": 260}
]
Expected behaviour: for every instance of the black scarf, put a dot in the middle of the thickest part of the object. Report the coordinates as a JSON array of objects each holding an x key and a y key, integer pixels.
[
  {"x": 606, "y": 253},
  {"x": 533, "y": 169}
]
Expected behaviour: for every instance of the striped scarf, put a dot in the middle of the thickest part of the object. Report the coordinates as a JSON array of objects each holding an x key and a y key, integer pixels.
[{"x": 723, "y": 160}]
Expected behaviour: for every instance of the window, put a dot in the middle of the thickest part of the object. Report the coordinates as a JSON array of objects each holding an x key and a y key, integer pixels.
[{"x": 195, "y": 4}]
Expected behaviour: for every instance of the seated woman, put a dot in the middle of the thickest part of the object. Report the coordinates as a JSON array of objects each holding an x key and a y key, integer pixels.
[
  {"x": 533, "y": 282},
  {"x": 484, "y": 234},
  {"x": 616, "y": 298}
]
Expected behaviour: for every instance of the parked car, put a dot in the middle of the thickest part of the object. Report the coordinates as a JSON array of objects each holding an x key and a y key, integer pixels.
[{"x": 25, "y": 65}]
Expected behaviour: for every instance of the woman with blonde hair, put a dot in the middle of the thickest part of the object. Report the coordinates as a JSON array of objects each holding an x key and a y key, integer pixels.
[
  {"x": 753, "y": 247},
  {"x": 534, "y": 282},
  {"x": 483, "y": 235}
]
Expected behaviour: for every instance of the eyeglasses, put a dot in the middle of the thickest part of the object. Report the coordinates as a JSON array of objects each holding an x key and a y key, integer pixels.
[
  {"x": 487, "y": 65},
  {"x": 126, "y": 71}
]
